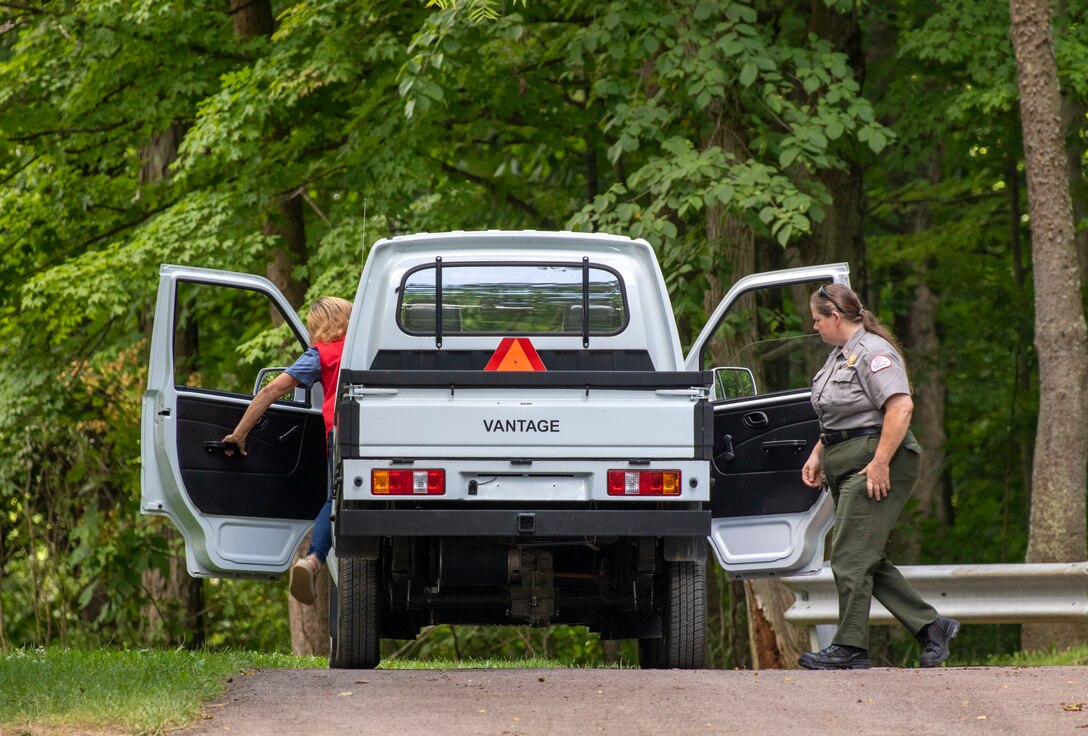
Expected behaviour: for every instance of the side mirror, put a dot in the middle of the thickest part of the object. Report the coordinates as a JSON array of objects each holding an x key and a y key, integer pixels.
[
  {"x": 264, "y": 375},
  {"x": 732, "y": 383}
]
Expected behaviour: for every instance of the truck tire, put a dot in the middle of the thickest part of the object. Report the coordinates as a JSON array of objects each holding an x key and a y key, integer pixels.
[
  {"x": 356, "y": 644},
  {"x": 682, "y": 644}
]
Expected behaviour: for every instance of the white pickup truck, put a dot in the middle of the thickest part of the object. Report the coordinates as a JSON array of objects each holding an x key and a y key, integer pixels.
[{"x": 519, "y": 439}]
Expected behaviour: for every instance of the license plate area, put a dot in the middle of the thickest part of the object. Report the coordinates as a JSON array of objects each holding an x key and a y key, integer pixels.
[{"x": 528, "y": 487}]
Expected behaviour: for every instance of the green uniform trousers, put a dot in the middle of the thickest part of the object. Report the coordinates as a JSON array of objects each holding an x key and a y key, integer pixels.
[{"x": 860, "y": 538}]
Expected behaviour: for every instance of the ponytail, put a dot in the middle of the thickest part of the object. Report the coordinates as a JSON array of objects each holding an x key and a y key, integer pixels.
[{"x": 875, "y": 326}]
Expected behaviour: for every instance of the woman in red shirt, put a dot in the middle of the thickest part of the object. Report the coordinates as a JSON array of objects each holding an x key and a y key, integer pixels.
[{"x": 327, "y": 322}]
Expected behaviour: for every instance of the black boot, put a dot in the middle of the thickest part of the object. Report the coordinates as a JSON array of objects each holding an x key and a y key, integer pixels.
[
  {"x": 935, "y": 638},
  {"x": 836, "y": 657}
]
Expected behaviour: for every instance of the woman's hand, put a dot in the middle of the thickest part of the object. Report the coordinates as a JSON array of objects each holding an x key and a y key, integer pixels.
[
  {"x": 812, "y": 472},
  {"x": 272, "y": 390},
  {"x": 238, "y": 439},
  {"x": 897, "y": 413},
  {"x": 877, "y": 479}
]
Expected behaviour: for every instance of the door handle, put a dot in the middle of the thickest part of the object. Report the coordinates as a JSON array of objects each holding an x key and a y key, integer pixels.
[
  {"x": 286, "y": 436},
  {"x": 795, "y": 445},
  {"x": 210, "y": 446},
  {"x": 756, "y": 419}
]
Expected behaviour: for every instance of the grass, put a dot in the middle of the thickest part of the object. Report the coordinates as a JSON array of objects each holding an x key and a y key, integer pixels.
[
  {"x": 1075, "y": 656},
  {"x": 131, "y": 692}
]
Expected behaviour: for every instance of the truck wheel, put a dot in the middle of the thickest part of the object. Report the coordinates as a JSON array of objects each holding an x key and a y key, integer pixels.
[
  {"x": 683, "y": 621},
  {"x": 355, "y": 645}
]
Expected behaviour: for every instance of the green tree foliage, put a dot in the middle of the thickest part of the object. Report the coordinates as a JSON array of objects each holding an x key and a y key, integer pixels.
[
  {"x": 951, "y": 94},
  {"x": 614, "y": 113},
  {"x": 633, "y": 117}
]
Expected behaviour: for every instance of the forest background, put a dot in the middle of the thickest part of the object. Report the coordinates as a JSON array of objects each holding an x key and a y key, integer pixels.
[{"x": 736, "y": 137}]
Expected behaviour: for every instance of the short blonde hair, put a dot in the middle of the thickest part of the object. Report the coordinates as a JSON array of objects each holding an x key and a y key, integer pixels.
[{"x": 328, "y": 319}]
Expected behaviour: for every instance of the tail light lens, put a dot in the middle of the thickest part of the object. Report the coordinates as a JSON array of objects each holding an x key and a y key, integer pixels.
[
  {"x": 643, "y": 482},
  {"x": 407, "y": 482}
]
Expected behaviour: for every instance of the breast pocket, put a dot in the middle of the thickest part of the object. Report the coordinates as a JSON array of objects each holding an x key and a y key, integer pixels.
[{"x": 845, "y": 388}]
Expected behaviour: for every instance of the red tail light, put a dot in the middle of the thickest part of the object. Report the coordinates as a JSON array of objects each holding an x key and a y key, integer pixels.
[
  {"x": 408, "y": 482},
  {"x": 643, "y": 482}
]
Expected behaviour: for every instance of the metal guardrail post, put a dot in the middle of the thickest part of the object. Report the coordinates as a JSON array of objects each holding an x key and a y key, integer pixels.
[{"x": 983, "y": 594}]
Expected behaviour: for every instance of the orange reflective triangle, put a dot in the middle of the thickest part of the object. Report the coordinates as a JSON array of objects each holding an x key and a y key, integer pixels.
[{"x": 515, "y": 354}]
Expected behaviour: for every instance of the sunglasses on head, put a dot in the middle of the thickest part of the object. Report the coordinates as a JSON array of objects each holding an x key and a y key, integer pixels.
[{"x": 823, "y": 292}]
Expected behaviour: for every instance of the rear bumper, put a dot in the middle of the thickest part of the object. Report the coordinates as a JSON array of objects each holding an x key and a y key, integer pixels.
[{"x": 521, "y": 523}]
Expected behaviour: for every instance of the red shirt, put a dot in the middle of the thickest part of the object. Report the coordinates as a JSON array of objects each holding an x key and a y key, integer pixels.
[{"x": 330, "y": 353}]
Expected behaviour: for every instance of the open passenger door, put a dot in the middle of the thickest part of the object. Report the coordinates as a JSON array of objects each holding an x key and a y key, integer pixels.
[
  {"x": 244, "y": 515},
  {"x": 765, "y": 521}
]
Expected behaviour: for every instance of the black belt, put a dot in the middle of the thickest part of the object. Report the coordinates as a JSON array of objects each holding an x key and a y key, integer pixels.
[{"x": 842, "y": 435}]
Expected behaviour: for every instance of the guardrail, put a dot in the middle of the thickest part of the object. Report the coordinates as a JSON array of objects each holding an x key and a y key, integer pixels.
[{"x": 989, "y": 594}]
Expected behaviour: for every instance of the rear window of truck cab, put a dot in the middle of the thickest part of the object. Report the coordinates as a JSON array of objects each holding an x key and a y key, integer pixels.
[{"x": 512, "y": 298}]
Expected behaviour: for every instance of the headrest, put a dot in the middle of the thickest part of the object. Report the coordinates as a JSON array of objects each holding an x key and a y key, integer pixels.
[
  {"x": 420, "y": 318},
  {"x": 602, "y": 318}
]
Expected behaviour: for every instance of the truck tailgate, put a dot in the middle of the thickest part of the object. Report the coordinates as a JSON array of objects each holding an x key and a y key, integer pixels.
[{"x": 564, "y": 423}]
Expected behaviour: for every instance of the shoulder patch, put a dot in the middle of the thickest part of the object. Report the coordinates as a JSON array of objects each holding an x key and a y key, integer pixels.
[{"x": 879, "y": 363}]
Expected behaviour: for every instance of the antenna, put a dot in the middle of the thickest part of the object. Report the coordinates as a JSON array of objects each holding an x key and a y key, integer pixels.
[{"x": 364, "y": 229}]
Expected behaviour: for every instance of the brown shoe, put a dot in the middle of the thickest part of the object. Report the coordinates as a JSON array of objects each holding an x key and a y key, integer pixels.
[{"x": 304, "y": 580}]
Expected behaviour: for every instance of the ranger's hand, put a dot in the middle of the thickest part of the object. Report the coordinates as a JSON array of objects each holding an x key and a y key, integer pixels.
[
  {"x": 877, "y": 479},
  {"x": 812, "y": 472}
]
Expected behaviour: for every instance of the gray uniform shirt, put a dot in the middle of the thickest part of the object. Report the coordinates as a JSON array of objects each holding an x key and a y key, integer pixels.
[{"x": 851, "y": 389}]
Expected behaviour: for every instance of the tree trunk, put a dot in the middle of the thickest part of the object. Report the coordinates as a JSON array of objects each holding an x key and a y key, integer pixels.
[
  {"x": 175, "y": 614},
  {"x": 730, "y": 243},
  {"x": 287, "y": 222},
  {"x": 731, "y": 246},
  {"x": 1057, "y": 526},
  {"x": 928, "y": 379},
  {"x": 840, "y": 237},
  {"x": 310, "y": 624},
  {"x": 1073, "y": 115},
  {"x": 1021, "y": 453},
  {"x": 284, "y": 218},
  {"x": 252, "y": 18},
  {"x": 1073, "y": 118},
  {"x": 727, "y": 627},
  {"x": 176, "y": 593},
  {"x": 159, "y": 153},
  {"x": 776, "y": 643}
]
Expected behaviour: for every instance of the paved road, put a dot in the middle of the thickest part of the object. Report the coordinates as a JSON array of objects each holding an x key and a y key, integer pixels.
[{"x": 987, "y": 700}]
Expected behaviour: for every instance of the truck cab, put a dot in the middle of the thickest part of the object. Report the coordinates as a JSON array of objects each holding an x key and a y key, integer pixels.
[{"x": 520, "y": 440}]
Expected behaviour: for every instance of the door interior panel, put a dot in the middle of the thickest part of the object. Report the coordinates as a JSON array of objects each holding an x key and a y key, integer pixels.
[
  {"x": 779, "y": 448},
  {"x": 758, "y": 456},
  {"x": 281, "y": 476},
  {"x": 748, "y": 495}
]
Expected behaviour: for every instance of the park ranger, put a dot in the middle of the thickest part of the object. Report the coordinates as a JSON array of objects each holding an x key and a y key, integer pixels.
[{"x": 869, "y": 459}]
